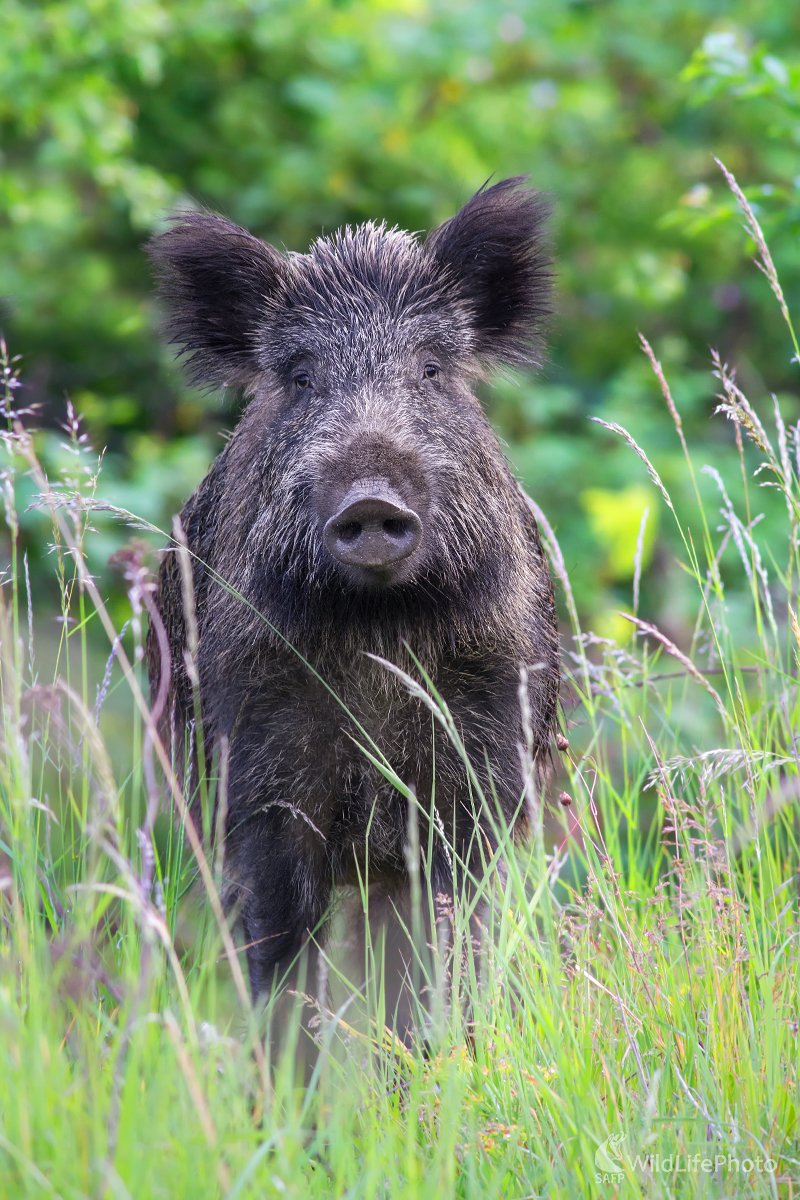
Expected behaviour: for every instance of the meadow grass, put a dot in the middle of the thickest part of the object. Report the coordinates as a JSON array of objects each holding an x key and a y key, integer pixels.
[{"x": 634, "y": 1025}]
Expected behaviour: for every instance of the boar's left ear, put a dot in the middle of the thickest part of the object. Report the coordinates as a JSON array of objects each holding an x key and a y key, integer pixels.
[
  {"x": 496, "y": 249},
  {"x": 216, "y": 281}
]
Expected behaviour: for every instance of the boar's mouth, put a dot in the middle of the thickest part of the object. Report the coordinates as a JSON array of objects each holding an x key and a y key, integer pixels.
[{"x": 373, "y": 530}]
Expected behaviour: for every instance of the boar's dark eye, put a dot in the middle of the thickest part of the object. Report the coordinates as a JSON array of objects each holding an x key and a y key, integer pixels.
[
  {"x": 430, "y": 371},
  {"x": 302, "y": 381}
]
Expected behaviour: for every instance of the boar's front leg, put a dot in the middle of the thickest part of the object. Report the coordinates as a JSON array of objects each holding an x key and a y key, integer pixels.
[
  {"x": 285, "y": 896},
  {"x": 281, "y": 916}
]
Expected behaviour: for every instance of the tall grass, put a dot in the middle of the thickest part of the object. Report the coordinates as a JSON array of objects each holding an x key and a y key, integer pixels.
[{"x": 633, "y": 1026}]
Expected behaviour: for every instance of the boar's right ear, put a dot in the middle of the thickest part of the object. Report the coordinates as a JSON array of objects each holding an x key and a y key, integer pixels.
[
  {"x": 497, "y": 251},
  {"x": 216, "y": 281}
]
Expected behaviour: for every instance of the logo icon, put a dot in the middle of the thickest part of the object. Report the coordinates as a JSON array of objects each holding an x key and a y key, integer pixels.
[
  {"x": 608, "y": 1156},
  {"x": 611, "y": 1165}
]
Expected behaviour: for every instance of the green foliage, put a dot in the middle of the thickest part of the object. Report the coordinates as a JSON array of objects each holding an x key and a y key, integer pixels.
[
  {"x": 635, "y": 1026},
  {"x": 297, "y": 115},
  {"x": 641, "y": 974}
]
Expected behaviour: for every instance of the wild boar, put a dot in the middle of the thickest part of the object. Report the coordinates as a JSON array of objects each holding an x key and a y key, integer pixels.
[{"x": 362, "y": 509}]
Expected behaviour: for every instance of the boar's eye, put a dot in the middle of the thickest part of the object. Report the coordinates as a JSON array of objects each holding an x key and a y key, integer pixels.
[
  {"x": 302, "y": 381},
  {"x": 430, "y": 371}
]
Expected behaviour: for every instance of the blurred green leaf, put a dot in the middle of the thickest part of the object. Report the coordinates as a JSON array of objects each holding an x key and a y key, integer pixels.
[{"x": 299, "y": 115}]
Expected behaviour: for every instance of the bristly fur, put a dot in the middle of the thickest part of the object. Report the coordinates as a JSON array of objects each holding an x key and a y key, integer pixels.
[
  {"x": 483, "y": 278},
  {"x": 496, "y": 248},
  {"x": 216, "y": 280},
  {"x": 360, "y": 319}
]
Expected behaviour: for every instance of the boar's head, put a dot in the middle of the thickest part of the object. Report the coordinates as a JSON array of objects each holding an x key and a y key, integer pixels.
[{"x": 364, "y": 476}]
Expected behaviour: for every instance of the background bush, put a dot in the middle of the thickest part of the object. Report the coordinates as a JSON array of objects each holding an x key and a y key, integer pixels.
[{"x": 291, "y": 116}]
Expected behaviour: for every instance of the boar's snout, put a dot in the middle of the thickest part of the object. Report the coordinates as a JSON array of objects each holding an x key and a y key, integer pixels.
[{"x": 374, "y": 528}]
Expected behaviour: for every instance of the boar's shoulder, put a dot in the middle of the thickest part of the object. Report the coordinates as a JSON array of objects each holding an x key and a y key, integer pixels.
[{"x": 198, "y": 518}]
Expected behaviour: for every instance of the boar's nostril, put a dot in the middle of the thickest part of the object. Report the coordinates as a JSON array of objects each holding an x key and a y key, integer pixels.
[
  {"x": 373, "y": 528},
  {"x": 396, "y": 527},
  {"x": 349, "y": 532}
]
